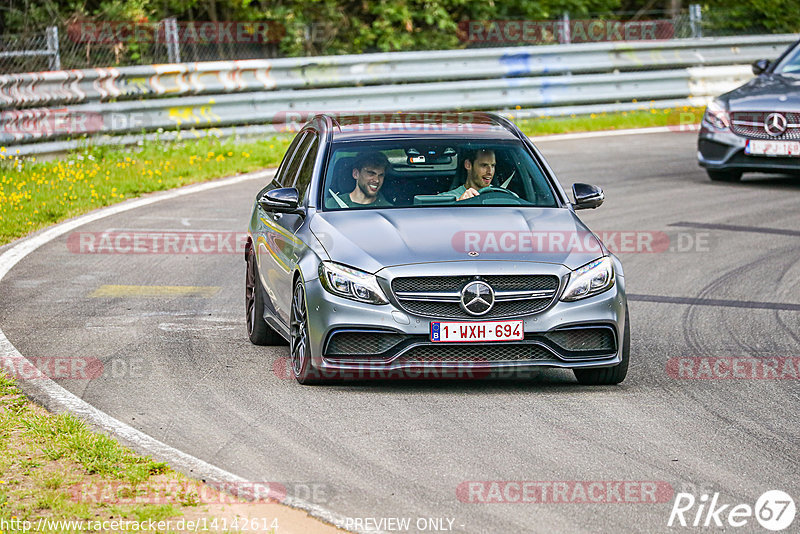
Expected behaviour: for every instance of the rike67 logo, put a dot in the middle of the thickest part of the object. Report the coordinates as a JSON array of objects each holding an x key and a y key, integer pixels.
[{"x": 774, "y": 510}]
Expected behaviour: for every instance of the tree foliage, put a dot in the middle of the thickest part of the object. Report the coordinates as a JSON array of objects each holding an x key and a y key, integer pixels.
[{"x": 316, "y": 27}]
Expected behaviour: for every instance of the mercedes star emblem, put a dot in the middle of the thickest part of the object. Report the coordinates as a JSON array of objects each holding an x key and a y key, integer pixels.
[
  {"x": 477, "y": 298},
  {"x": 775, "y": 124}
]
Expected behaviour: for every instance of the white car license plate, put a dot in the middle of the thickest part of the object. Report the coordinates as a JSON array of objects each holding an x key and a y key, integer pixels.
[
  {"x": 772, "y": 148},
  {"x": 467, "y": 332}
]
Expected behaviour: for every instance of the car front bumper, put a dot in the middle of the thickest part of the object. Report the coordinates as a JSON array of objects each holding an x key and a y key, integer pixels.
[
  {"x": 722, "y": 150},
  {"x": 392, "y": 343}
]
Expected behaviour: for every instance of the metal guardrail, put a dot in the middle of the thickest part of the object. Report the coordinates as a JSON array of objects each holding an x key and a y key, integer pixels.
[
  {"x": 221, "y": 94},
  {"x": 106, "y": 84}
]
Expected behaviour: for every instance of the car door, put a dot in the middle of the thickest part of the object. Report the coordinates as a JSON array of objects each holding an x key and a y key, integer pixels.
[
  {"x": 290, "y": 223},
  {"x": 275, "y": 244}
]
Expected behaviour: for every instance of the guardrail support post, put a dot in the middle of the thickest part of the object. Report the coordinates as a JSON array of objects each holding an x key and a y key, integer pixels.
[
  {"x": 564, "y": 36},
  {"x": 696, "y": 20},
  {"x": 54, "y": 57},
  {"x": 171, "y": 37}
]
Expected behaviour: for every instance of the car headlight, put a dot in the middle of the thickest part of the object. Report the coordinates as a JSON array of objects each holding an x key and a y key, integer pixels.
[
  {"x": 717, "y": 115},
  {"x": 351, "y": 283},
  {"x": 589, "y": 280}
]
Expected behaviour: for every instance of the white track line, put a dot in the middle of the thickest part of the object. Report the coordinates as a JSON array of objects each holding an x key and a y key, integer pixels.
[{"x": 57, "y": 399}]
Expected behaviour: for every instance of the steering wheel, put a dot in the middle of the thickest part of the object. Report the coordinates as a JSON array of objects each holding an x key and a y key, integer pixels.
[{"x": 493, "y": 189}]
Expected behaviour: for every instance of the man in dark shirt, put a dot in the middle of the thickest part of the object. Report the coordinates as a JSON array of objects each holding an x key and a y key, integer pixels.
[
  {"x": 480, "y": 166},
  {"x": 369, "y": 171}
]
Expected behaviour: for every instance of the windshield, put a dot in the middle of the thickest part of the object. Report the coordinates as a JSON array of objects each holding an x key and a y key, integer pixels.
[
  {"x": 790, "y": 64},
  {"x": 420, "y": 173}
]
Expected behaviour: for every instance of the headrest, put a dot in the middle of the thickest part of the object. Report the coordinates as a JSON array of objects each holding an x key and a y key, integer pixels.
[{"x": 342, "y": 181}]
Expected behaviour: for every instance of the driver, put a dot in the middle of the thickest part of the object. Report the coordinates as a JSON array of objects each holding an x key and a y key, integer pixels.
[{"x": 480, "y": 165}]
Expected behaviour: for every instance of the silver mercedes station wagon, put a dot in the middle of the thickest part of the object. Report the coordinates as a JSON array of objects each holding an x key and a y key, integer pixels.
[{"x": 430, "y": 245}]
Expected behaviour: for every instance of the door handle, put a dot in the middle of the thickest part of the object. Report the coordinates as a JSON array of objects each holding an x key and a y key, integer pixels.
[{"x": 277, "y": 216}]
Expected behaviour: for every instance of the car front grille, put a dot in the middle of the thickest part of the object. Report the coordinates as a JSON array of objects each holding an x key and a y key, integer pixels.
[
  {"x": 751, "y": 124},
  {"x": 439, "y": 296}
]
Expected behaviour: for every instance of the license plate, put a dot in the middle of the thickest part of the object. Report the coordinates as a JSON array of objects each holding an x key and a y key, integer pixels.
[
  {"x": 772, "y": 148},
  {"x": 463, "y": 332}
]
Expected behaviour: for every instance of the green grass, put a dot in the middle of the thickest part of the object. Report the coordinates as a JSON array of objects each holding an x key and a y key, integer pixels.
[
  {"x": 35, "y": 194},
  {"x": 43, "y": 456},
  {"x": 53, "y": 467},
  {"x": 611, "y": 121}
]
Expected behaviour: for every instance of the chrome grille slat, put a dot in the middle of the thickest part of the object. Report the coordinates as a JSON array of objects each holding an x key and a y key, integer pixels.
[
  {"x": 751, "y": 124},
  {"x": 439, "y": 296}
]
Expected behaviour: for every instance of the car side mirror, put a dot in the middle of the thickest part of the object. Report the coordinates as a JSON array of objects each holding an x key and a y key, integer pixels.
[
  {"x": 760, "y": 66},
  {"x": 587, "y": 196},
  {"x": 282, "y": 200}
]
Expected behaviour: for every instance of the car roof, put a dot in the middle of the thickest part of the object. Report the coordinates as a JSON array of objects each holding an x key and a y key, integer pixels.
[{"x": 373, "y": 126}]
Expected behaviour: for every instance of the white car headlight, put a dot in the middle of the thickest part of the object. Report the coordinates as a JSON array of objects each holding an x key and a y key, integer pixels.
[
  {"x": 351, "y": 283},
  {"x": 717, "y": 116},
  {"x": 591, "y": 279}
]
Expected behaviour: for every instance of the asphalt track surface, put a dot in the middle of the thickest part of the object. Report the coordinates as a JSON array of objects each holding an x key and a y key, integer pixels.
[{"x": 180, "y": 368}]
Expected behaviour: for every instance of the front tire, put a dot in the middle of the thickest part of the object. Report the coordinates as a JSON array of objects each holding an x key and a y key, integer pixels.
[
  {"x": 299, "y": 339},
  {"x": 259, "y": 332},
  {"x": 607, "y": 376},
  {"x": 724, "y": 176}
]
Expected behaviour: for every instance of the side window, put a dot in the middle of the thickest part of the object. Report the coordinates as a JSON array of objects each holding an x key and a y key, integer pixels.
[
  {"x": 289, "y": 175},
  {"x": 288, "y": 160},
  {"x": 307, "y": 168}
]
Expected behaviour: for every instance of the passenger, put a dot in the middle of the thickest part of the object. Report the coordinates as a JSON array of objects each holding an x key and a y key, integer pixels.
[
  {"x": 369, "y": 172},
  {"x": 480, "y": 165}
]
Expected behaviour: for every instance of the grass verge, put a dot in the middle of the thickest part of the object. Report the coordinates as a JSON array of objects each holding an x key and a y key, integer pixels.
[
  {"x": 35, "y": 194},
  {"x": 56, "y": 475},
  {"x": 643, "y": 118}
]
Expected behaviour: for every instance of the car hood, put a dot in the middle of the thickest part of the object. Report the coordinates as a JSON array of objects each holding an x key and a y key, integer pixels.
[
  {"x": 373, "y": 239},
  {"x": 764, "y": 94}
]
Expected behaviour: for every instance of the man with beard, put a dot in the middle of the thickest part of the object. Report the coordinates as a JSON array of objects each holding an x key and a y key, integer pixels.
[
  {"x": 369, "y": 171},
  {"x": 480, "y": 166}
]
